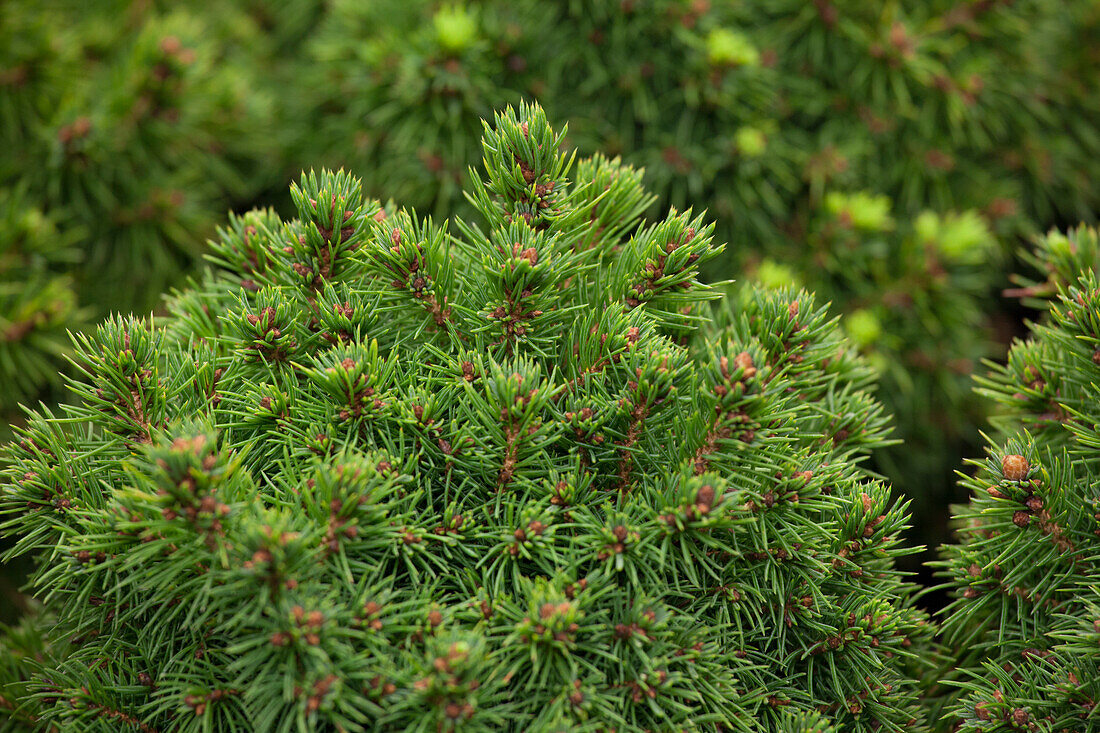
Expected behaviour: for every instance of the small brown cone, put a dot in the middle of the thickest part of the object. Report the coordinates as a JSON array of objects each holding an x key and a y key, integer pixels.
[{"x": 1014, "y": 467}]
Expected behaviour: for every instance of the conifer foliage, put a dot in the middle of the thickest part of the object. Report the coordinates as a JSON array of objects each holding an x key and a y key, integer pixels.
[
  {"x": 1025, "y": 623},
  {"x": 375, "y": 474}
]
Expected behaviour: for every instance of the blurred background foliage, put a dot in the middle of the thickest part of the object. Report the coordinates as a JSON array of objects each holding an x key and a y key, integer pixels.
[
  {"x": 891, "y": 156},
  {"x": 126, "y": 131}
]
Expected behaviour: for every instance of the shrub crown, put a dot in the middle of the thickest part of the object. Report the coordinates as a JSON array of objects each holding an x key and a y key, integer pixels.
[{"x": 375, "y": 474}]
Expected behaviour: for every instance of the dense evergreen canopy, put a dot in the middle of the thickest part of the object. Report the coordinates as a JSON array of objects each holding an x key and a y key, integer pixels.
[{"x": 372, "y": 473}]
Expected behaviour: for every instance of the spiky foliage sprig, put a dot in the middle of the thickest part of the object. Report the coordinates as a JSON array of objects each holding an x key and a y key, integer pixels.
[
  {"x": 1059, "y": 259},
  {"x": 374, "y": 474},
  {"x": 1025, "y": 623},
  {"x": 767, "y": 111}
]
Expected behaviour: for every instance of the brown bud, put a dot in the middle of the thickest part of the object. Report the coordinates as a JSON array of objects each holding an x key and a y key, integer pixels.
[
  {"x": 705, "y": 496},
  {"x": 744, "y": 361},
  {"x": 1014, "y": 467}
]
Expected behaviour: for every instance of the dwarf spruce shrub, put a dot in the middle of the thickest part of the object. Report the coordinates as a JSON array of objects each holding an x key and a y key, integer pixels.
[
  {"x": 1024, "y": 625},
  {"x": 378, "y": 474}
]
